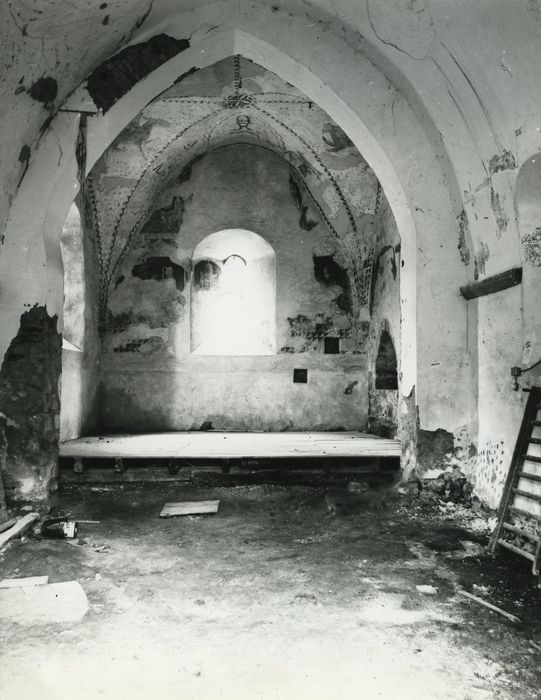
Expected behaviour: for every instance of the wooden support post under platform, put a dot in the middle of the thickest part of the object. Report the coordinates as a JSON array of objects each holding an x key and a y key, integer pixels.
[{"x": 119, "y": 466}]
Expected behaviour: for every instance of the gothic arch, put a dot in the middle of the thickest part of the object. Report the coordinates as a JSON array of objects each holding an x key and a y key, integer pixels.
[{"x": 345, "y": 98}]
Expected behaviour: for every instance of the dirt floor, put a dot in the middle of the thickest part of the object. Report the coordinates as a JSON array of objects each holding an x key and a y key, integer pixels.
[{"x": 287, "y": 592}]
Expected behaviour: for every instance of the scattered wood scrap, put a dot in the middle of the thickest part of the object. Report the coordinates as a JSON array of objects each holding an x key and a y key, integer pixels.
[
  {"x": 465, "y": 594},
  {"x": 189, "y": 508},
  {"x": 7, "y": 524},
  {"x": 24, "y": 582},
  {"x": 20, "y": 526}
]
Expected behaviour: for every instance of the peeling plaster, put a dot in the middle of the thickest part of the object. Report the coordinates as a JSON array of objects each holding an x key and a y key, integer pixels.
[
  {"x": 480, "y": 260},
  {"x": 44, "y": 90},
  {"x": 463, "y": 235},
  {"x": 499, "y": 213},
  {"x": 531, "y": 247},
  {"x": 502, "y": 161}
]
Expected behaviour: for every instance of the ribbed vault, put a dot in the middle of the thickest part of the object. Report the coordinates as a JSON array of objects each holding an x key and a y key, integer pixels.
[{"x": 235, "y": 102}]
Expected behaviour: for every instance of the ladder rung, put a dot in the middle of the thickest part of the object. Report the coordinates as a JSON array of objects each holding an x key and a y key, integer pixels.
[
  {"x": 516, "y": 550},
  {"x": 526, "y": 494},
  {"x": 531, "y": 458},
  {"x": 535, "y": 441},
  {"x": 530, "y": 477},
  {"x": 521, "y": 533},
  {"x": 535, "y": 422},
  {"x": 525, "y": 513}
]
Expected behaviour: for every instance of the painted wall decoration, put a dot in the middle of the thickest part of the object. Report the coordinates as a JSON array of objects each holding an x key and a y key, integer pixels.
[
  {"x": 234, "y": 101},
  {"x": 234, "y": 147}
]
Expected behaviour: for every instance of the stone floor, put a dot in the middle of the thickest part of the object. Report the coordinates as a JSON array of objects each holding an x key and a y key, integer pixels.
[{"x": 287, "y": 592}]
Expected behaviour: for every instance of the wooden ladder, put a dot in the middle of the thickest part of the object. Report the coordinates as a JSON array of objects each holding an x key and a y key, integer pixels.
[{"x": 522, "y": 491}]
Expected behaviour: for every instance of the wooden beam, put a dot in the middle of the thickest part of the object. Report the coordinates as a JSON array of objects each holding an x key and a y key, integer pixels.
[
  {"x": 20, "y": 526},
  {"x": 490, "y": 285}
]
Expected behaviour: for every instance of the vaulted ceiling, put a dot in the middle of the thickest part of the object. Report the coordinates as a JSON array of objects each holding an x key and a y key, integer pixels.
[{"x": 235, "y": 101}]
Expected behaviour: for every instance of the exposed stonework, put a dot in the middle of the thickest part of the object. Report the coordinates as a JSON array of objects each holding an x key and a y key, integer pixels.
[
  {"x": 30, "y": 407},
  {"x": 434, "y": 448},
  {"x": 120, "y": 73}
]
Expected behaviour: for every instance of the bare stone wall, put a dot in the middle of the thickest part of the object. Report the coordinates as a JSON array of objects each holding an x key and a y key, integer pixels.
[{"x": 30, "y": 407}]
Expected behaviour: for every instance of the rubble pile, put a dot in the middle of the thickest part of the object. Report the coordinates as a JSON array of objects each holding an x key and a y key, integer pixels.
[{"x": 451, "y": 486}]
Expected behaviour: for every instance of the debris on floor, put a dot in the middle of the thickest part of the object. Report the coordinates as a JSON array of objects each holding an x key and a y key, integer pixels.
[
  {"x": 7, "y": 524},
  {"x": 189, "y": 508},
  {"x": 488, "y": 605},
  {"x": 51, "y": 603},
  {"x": 59, "y": 528},
  {"x": 451, "y": 485},
  {"x": 272, "y": 566}
]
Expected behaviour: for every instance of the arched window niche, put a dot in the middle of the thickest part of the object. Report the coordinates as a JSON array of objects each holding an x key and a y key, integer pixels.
[
  {"x": 233, "y": 295},
  {"x": 386, "y": 366}
]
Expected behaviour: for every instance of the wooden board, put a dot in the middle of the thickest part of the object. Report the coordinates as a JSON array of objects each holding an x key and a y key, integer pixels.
[
  {"x": 189, "y": 508},
  {"x": 24, "y": 582},
  {"x": 197, "y": 445},
  {"x": 52, "y": 604},
  {"x": 20, "y": 526}
]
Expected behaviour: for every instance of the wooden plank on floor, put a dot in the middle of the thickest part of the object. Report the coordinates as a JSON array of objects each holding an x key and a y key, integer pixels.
[
  {"x": 189, "y": 508},
  {"x": 24, "y": 582},
  {"x": 20, "y": 526}
]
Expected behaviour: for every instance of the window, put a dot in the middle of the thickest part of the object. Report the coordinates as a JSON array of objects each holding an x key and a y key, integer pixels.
[{"x": 233, "y": 295}]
